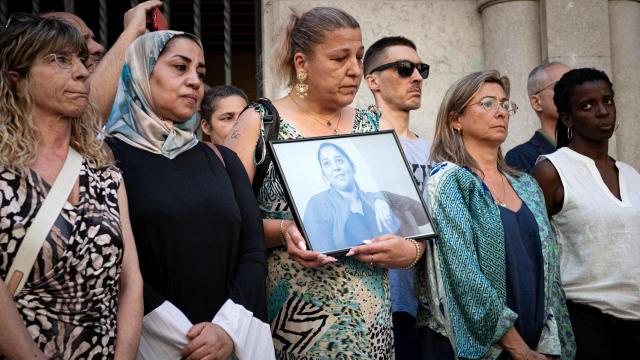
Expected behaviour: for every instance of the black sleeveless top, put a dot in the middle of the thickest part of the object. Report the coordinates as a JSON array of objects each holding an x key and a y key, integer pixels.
[{"x": 197, "y": 228}]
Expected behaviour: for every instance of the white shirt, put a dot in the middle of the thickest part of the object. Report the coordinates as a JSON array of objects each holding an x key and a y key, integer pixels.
[{"x": 598, "y": 235}]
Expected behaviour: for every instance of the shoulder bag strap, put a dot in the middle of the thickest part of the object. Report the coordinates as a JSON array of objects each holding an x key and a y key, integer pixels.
[
  {"x": 272, "y": 119},
  {"x": 44, "y": 220},
  {"x": 217, "y": 152}
]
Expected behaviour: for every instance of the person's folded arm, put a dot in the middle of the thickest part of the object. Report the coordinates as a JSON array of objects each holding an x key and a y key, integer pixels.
[
  {"x": 130, "y": 304},
  {"x": 248, "y": 285},
  {"x": 105, "y": 78},
  {"x": 15, "y": 341},
  {"x": 242, "y": 320}
]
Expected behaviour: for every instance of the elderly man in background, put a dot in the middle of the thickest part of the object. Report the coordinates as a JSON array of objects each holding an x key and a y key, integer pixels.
[
  {"x": 540, "y": 85},
  {"x": 106, "y": 67}
]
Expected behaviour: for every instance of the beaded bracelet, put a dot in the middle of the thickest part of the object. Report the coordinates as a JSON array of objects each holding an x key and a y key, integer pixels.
[
  {"x": 282, "y": 240},
  {"x": 415, "y": 261}
]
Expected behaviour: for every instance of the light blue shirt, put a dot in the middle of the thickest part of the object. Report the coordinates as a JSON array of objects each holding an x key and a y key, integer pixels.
[{"x": 401, "y": 280}]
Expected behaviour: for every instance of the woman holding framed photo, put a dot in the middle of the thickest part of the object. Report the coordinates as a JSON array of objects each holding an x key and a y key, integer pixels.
[
  {"x": 319, "y": 57},
  {"x": 491, "y": 285}
]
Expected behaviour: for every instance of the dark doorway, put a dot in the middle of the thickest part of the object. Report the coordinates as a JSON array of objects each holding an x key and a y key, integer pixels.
[{"x": 244, "y": 30}]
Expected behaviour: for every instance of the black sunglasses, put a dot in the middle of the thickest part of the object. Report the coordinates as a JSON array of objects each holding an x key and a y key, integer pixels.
[{"x": 405, "y": 68}]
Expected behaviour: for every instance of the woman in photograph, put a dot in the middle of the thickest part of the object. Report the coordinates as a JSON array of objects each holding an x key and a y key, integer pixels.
[
  {"x": 82, "y": 297},
  {"x": 195, "y": 220},
  {"x": 343, "y": 215},
  {"x": 594, "y": 205},
  {"x": 319, "y": 306},
  {"x": 491, "y": 287}
]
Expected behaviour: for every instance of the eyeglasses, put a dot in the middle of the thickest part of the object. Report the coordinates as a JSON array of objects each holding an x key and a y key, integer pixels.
[
  {"x": 405, "y": 68},
  {"x": 65, "y": 61},
  {"x": 545, "y": 88},
  {"x": 491, "y": 104}
]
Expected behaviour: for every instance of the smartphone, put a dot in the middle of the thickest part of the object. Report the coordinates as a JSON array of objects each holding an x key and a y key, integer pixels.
[{"x": 156, "y": 20}]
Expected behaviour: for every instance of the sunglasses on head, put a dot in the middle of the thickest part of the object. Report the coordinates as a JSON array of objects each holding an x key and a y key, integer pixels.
[{"x": 405, "y": 68}]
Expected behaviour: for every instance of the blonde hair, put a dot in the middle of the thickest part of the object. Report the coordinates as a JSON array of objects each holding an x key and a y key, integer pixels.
[
  {"x": 301, "y": 33},
  {"x": 447, "y": 143},
  {"x": 23, "y": 41}
]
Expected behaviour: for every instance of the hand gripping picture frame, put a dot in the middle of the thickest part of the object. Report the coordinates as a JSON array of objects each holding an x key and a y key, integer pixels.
[{"x": 344, "y": 189}]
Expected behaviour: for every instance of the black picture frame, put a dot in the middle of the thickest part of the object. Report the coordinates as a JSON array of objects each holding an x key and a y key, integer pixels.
[{"x": 319, "y": 202}]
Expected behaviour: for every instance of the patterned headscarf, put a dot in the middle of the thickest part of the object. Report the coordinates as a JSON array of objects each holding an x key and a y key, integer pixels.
[{"x": 133, "y": 118}]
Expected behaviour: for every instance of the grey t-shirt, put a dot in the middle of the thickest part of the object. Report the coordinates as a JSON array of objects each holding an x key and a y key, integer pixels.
[{"x": 401, "y": 280}]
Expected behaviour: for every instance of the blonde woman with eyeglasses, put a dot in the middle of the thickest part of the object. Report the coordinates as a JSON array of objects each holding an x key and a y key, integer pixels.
[
  {"x": 83, "y": 296},
  {"x": 489, "y": 285}
]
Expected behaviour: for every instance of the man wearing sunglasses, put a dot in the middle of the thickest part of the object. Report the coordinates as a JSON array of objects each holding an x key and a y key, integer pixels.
[
  {"x": 540, "y": 85},
  {"x": 394, "y": 73}
]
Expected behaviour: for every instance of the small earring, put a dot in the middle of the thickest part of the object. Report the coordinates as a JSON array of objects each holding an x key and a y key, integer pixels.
[
  {"x": 617, "y": 125},
  {"x": 302, "y": 89},
  {"x": 569, "y": 133},
  {"x": 458, "y": 130}
]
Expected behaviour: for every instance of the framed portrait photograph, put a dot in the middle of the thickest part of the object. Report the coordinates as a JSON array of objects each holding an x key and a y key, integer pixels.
[{"x": 344, "y": 189}]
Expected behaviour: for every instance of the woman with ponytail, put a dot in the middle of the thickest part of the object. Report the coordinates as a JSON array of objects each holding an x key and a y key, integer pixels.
[{"x": 320, "y": 306}]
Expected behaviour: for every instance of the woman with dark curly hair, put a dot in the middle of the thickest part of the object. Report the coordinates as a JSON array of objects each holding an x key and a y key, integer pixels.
[{"x": 594, "y": 205}]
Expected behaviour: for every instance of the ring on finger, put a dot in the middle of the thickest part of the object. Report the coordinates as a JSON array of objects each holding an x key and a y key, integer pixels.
[{"x": 371, "y": 261}]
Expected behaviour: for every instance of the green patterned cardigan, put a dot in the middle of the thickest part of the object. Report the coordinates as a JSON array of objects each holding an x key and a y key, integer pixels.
[{"x": 460, "y": 281}]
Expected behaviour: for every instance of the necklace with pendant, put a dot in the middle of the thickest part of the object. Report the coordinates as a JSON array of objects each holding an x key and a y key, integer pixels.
[
  {"x": 496, "y": 200},
  {"x": 326, "y": 123}
]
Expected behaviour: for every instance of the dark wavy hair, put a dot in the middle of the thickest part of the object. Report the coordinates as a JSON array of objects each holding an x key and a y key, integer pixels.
[
  {"x": 215, "y": 94},
  {"x": 562, "y": 96}
]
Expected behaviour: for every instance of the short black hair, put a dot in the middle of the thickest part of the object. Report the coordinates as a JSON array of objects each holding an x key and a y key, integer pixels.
[
  {"x": 213, "y": 94},
  {"x": 375, "y": 51},
  {"x": 564, "y": 90}
]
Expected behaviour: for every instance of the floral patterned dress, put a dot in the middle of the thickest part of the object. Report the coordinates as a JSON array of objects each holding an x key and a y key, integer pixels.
[
  {"x": 70, "y": 299},
  {"x": 340, "y": 310}
]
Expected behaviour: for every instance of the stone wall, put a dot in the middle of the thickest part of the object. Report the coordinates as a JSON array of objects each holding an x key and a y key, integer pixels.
[{"x": 457, "y": 37}]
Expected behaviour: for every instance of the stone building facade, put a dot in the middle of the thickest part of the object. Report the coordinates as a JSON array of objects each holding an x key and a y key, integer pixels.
[{"x": 457, "y": 37}]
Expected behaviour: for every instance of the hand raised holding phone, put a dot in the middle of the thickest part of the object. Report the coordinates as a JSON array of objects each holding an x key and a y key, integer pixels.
[
  {"x": 135, "y": 19},
  {"x": 156, "y": 20}
]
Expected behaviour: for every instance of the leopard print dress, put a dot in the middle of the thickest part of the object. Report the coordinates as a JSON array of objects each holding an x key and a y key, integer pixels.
[
  {"x": 70, "y": 300},
  {"x": 336, "y": 311}
]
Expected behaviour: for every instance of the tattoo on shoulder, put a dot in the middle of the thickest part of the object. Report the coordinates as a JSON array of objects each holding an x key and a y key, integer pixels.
[{"x": 235, "y": 134}]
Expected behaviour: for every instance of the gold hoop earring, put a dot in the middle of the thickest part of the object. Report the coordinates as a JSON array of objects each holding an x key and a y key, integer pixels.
[{"x": 301, "y": 88}]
